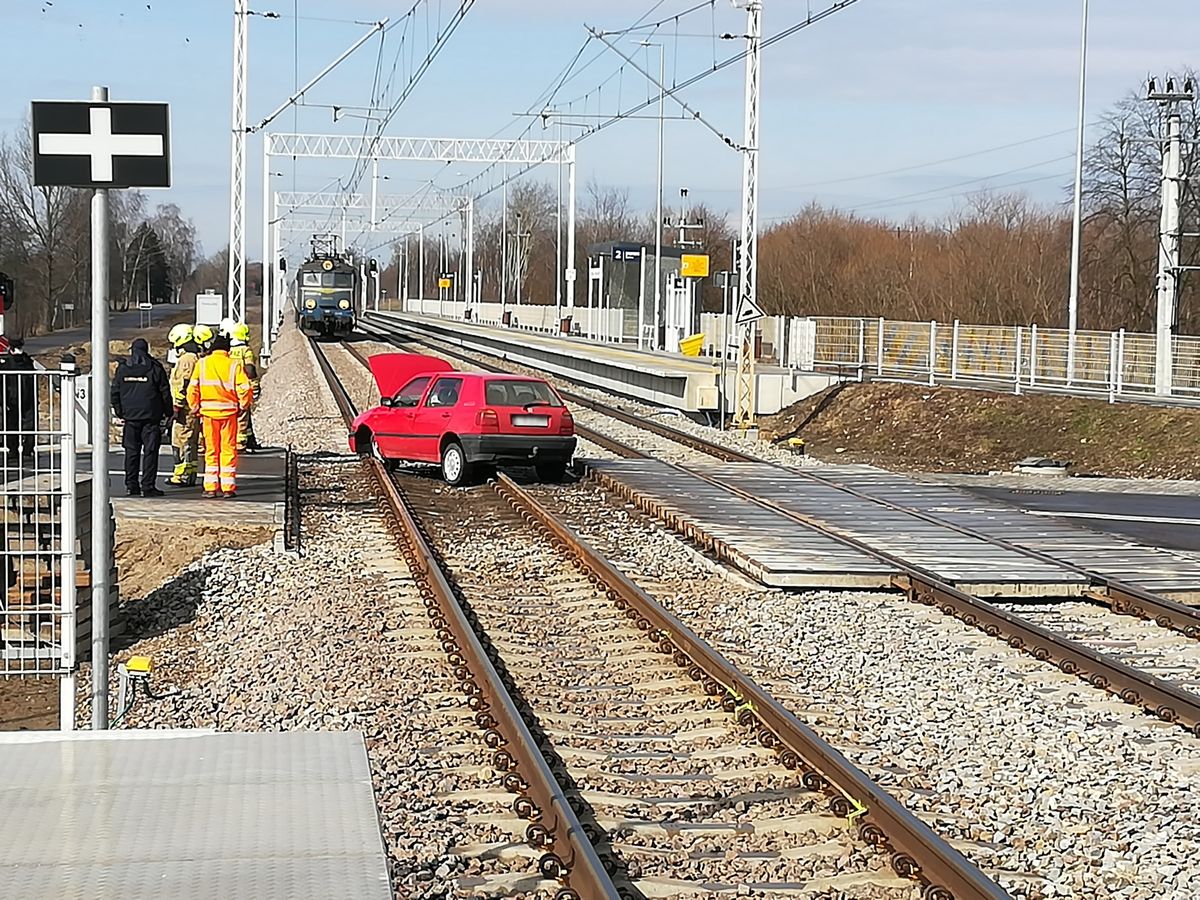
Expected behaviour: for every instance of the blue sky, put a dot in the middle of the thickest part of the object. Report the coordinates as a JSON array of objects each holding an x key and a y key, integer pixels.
[{"x": 879, "y": 86}]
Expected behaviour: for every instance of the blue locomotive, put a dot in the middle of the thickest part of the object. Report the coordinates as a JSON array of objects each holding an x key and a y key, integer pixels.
[{"x": 327, "y": 288}]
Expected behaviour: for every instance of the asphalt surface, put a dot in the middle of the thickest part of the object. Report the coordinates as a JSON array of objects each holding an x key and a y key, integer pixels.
[
  {"x": 1160, "y": 520},
  {"x": 125, "y": 326}
]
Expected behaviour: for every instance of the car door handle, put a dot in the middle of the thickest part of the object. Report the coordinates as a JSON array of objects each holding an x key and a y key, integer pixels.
[{"x": 445, "y": 415}]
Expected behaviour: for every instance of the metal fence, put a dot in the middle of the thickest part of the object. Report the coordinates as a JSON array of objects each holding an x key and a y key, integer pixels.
[
  {"x": 42, "y": 551},
  {"x": 1115, "y": 364}
]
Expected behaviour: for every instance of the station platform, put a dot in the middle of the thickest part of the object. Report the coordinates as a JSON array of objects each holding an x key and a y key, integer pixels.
[
  {"x": 193, "y": 815},
  {"x": 261, "y": 490},
  {"x": 670, "y": 380},
  {"x": 769, "y": 547},
  {"x": 969, "y": 563}
]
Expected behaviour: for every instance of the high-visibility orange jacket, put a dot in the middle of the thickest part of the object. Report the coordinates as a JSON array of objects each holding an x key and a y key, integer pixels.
[{"x": 219, "y": 387}]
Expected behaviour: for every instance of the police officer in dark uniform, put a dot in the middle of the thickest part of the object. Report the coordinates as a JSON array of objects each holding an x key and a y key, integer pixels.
[
  {"x": 20, "y": 400},
  {"x": 141, "y": 396}
]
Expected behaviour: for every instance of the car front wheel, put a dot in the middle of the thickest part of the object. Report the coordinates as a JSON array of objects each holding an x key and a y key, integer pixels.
[
  {"x": 376, "y": 453},
  {"x": 455, "y": 469}
]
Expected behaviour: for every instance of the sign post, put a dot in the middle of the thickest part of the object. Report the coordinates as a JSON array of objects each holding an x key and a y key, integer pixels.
[
  {"x": 100, "y": 417},
  {"x": 100, "y": 145}
]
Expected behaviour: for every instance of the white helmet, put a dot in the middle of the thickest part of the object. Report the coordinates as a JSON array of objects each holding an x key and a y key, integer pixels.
[{"x": 225, "y": 329}]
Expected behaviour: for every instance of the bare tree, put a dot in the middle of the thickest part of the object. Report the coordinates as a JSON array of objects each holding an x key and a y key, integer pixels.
[
  {"x": 179, "y": 242},
  {"x": 52, "y": 221}
]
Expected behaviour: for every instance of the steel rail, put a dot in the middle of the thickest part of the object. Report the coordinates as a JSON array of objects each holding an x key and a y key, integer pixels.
[
  {"x": 1155, "y": 695},
  {"x": 570, "y": 857},
  {"x": 1123, "y": 598},
  {"x": 882, "y": 821}
]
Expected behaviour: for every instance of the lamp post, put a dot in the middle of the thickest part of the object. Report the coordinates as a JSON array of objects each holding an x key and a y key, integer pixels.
[{"x": 1077, "y": 221}]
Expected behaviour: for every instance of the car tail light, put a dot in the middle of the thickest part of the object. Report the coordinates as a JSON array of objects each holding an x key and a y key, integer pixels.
[
  {"x": 566, "y": 425},
  {"x": 487, "y": 420}
]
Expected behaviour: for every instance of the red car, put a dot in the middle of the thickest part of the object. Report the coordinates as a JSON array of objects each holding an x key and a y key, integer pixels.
[{"x": 469, "y": 422}]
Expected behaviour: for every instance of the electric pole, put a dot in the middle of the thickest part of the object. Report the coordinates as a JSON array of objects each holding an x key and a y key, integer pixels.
[
  {"x": 748, "y": 311},
  {"x": 1169, "y": 236},
  {"x": 236, "y": 299}
]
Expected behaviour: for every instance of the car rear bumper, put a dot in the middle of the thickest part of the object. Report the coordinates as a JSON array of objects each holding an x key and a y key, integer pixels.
[{"x": 494, "y": 448}]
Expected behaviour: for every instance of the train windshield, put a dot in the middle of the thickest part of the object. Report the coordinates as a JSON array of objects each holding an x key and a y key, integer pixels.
[{"x": 327, "y": 289}]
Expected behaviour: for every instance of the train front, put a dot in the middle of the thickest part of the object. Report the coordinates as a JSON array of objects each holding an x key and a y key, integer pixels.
[{"x": 326, "y": 297}]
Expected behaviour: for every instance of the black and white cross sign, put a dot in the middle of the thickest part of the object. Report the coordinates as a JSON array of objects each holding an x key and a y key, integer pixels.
[{"x": 101, "y": 145}]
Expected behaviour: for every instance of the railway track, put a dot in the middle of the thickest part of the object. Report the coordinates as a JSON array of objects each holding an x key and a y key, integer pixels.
[
  {"x": 1133, "y": 685},
  {"x": 679, "y": 744}
]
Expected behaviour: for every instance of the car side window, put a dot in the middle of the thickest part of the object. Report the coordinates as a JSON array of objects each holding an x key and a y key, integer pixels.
[
  {"x": 444, "y": 392},
  {"x": 410, "y": 394}
]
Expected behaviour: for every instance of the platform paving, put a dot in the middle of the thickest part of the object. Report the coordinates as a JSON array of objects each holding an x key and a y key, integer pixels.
[
  {"x": 261, "y": 489},
  {"x": 967, "y": 562},
  {"x": 192, "y": 815},
  {"x": 765, "y": 545}
]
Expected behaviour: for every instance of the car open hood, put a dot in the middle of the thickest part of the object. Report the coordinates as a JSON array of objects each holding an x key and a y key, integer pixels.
[{"x": 393, "y": 371}]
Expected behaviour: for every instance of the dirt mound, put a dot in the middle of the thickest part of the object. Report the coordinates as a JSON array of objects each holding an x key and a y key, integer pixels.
[
  {"x": 915, "y": 428},
  {"x": 147, "y": 555}
]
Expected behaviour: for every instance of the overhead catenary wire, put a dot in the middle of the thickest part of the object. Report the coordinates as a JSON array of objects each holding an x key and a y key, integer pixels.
[
  {"x": 810, "y": 20},
  {"x": 969, "y": 181}
]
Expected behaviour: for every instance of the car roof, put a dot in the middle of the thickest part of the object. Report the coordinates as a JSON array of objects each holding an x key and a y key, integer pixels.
[
  {"x": 490, "y": 376},
  {"x": 507, "y": 377}
]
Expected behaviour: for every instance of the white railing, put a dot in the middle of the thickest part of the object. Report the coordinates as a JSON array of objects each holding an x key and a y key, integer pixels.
[
  {"x": 1116, "y": 364},
  {"x": 602, "y": 325}
]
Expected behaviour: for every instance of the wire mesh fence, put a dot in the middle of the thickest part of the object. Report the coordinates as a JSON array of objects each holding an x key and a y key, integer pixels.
[
  {"x": 1116, "y": 364},
  {"x": 43, "y": 539}
]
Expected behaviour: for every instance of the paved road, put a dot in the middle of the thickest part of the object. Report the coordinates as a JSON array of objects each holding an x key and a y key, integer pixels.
[
  {"x": 1161, "y": 520},
  {"x": 125, "y": 326}
]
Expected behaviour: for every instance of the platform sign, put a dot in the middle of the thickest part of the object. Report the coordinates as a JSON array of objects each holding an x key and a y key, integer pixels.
[
  {"x": 210, "y": 308},
  {"x": 94, "y": 144},
  {"x": 445, "y": 283},
  {"x": 694, "y": 265}
]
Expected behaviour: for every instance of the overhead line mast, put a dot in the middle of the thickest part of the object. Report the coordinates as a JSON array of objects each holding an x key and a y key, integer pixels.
[
  {"x": 235, "y": 293},
  {"x": 748, "y": 311}
]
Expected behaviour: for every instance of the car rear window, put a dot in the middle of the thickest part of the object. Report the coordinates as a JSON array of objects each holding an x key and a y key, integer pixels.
[{"x": 520, "y": 393}]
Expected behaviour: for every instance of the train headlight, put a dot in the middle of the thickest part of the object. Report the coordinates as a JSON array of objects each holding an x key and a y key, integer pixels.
[
  {"x": 310, "y": 303},
  {"x": 343, "y": 304}
]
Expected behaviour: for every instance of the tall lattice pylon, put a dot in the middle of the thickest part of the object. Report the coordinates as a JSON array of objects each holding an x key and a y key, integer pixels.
[
  {"x": 235, "y": 295},
  {"x": 743, "y": 410}
]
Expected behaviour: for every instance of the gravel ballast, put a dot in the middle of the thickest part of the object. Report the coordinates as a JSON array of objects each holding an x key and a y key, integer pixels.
[{"x": 1051, "y": 785}]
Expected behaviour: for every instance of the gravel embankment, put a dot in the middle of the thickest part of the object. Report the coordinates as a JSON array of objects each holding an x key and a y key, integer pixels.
[{"x": 1054, "y": 787}]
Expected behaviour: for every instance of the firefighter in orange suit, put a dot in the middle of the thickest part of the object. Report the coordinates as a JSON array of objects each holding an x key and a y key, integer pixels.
[{"x": 218, "y": 393}]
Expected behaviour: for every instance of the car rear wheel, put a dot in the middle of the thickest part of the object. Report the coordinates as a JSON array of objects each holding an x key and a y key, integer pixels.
[
  {"x": 551, "y": 471},
  {"x": 455, "y": 469}
]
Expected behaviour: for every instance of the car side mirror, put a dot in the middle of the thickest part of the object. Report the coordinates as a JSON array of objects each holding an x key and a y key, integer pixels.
[{"x": 386, "y": 401}]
